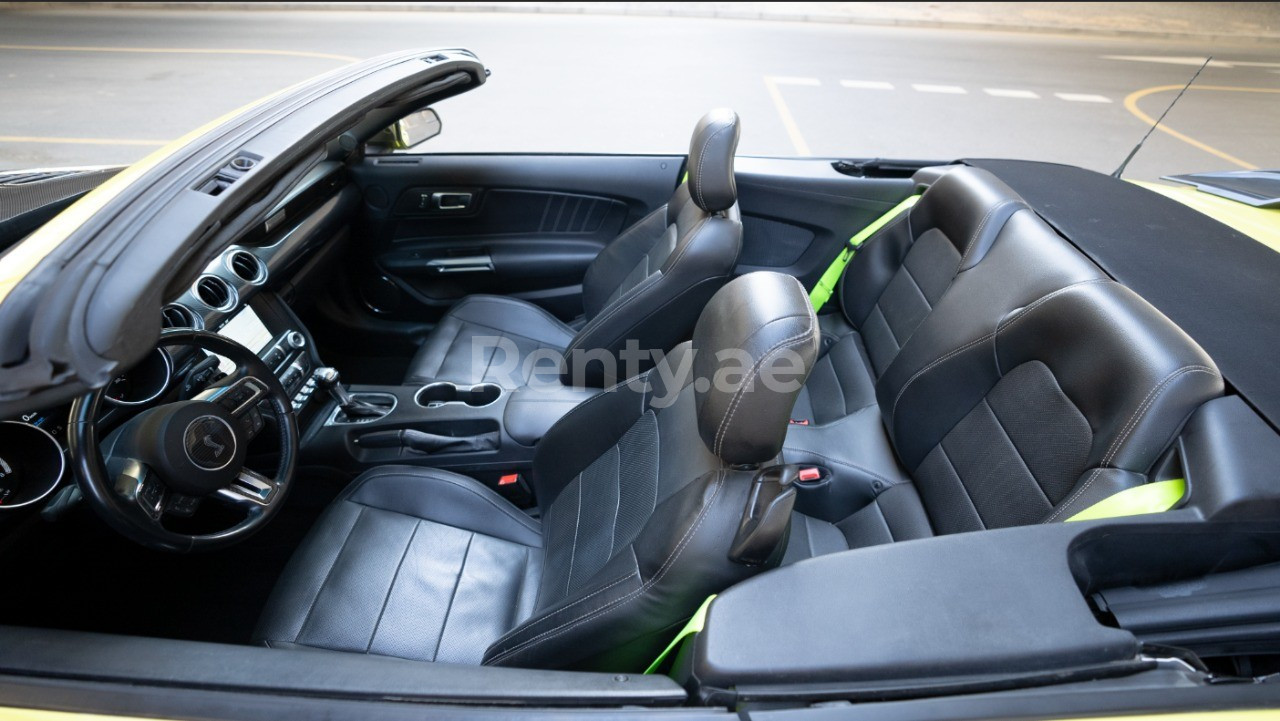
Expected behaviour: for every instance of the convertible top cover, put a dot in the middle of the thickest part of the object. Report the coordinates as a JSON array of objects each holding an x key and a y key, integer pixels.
[{"x": 1215, "y": 282}]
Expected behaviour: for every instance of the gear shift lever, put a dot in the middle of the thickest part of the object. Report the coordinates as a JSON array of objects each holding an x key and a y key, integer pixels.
[{"x": 328, "y": 379}]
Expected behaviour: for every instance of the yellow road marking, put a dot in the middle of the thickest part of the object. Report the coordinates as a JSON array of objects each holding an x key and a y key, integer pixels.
[
  {"x": 1131, "y": 104},
  {"x": 788, "y": 122},
  {"x": 184, "y": 51},
  {"x": 77, "y": 141}
]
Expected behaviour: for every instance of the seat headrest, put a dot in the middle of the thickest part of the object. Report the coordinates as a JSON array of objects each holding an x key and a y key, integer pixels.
[
  {"x": 715, "y": 140},
  {"x": 970, "y": 206},
  {"x": 754, "y": 345}
]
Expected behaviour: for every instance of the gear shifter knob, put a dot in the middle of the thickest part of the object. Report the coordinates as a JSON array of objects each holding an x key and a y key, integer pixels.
[
  {"x": 326, "y": 377},
  {"x": 329, "y": 379}
]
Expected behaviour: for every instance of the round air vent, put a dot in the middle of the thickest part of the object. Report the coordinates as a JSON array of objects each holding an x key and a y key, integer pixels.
[
  {"x": 176, "y": 315},
  {"x": 246, "y": 266},
  {"x": 214, "y": 292}
]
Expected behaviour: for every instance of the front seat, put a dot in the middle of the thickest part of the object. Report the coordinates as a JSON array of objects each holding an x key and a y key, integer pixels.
[
  {"x": 642, "y": 490},
  {"x": 648, "y": 285}
]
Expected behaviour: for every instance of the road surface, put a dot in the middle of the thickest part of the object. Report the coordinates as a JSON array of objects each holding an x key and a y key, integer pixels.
[{"x": 105, "y": 87}]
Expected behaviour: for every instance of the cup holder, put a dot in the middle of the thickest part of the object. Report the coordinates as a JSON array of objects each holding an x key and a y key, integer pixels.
[{"x": 439, "y": 394}]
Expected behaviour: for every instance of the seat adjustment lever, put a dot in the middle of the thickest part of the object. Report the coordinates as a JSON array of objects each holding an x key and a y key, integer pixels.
[{"x": 762, "y": 533}]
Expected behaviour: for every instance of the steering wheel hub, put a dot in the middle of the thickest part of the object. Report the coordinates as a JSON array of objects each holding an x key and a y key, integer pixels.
[
  {"x": 210, "y": 443},
  {"x": 192, "y": 445}
]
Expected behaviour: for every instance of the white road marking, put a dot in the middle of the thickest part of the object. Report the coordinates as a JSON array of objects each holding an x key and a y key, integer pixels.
[
  {"x": 773, "y": 81},
  {"x": 1083, "y": 97},
  {"x": 867, "y": 84},
  {"x": 1190, "y": 60},
  {"x": 1005, "y": 93},
  {"x": 945, "y": 89},
  {"x": 785, "y": 80}
]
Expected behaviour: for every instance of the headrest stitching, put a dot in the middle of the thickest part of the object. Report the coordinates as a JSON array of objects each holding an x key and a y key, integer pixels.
[{"x": 747, "y": 382}]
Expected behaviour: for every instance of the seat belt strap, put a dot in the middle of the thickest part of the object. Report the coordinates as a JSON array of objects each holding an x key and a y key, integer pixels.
[
  {"x": 694, "y": 625},
  {"x": 821, "y": 292},
  {"x": 1155, "y": 497}
]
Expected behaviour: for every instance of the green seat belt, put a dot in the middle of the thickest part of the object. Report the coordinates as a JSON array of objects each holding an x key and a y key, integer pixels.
[
  {"x": 694, "y": 625},
  {"x": 827, "y": 283},
  {"x": 1155, "y": 497}
]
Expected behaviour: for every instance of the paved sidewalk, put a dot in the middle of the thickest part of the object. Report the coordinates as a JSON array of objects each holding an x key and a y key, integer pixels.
[{"x": 1224, "y": 20}]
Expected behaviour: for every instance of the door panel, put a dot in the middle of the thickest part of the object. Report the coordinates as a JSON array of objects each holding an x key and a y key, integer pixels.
[{"x": 438, "y": 227}]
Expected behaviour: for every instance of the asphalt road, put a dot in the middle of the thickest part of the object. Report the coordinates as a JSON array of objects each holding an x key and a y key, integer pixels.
[{"x": 109, "y": 86}]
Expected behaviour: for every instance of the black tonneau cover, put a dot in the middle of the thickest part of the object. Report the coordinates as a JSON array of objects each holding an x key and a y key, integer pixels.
[{"x": 1221, "y": 286}]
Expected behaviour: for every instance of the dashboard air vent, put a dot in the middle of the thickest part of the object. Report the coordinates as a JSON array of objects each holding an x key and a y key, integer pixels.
[
  {"x": 215, "y": 292},
  {"x": 246, "y": 266},
  {"x": 177, "y": 316}
]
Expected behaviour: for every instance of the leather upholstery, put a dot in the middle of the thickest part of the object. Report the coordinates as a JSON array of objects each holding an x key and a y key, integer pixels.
[
  {"x": 765, "y": 324},
  {"x": 1018, "y": 385},
  {"x": 411, "y": 562},
  {"x": 638, "y": 516},
  {"x": 462, "y": 347},
  {"x": 647, "y": 287},
  {"x": 530, "y": 412},
  {"x": 655, "y": 289},
  {"x": 715, "y": 140}
]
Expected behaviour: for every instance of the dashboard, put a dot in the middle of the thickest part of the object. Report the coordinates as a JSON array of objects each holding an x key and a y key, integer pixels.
[{"x": 240, "y": 294}]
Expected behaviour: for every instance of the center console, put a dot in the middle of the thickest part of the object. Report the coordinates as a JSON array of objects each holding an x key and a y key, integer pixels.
[
  {"x": 485, "y": 431},
  {"x": 268, "y": 327}
]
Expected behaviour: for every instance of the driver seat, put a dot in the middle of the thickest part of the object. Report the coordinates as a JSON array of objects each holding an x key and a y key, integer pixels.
[{"x": 642, "y": 489}]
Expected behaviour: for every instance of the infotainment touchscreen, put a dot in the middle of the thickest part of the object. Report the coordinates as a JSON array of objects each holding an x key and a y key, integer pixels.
[{"x": 246, "y": 329}]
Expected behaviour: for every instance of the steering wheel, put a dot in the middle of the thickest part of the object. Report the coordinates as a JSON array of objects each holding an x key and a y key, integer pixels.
[{"x": 167, "y": 460}]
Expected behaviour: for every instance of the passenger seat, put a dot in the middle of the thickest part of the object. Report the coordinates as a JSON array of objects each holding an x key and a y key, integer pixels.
[{"x": 648, "y": 285}]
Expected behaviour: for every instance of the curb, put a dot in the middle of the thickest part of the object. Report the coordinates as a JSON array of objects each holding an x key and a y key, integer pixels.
[{"x": 643, "y": 10}]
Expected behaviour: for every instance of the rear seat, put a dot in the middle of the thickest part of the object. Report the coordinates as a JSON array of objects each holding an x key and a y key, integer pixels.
[
  {"x": 982, "y": 373},
  {"x": 895, "y": 280}
]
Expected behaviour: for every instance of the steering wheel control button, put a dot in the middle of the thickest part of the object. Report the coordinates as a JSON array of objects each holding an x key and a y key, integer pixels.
[
  {"x": 180, "y": 505},
  {"x": 151, "y": 497},
  {"x": 210, "y": 443},
  {"x": 240, "y": 395},
  {"x": 251, "y": 423}
]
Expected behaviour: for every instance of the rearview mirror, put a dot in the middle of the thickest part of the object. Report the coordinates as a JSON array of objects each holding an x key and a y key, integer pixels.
[{"x": 409, "y": 131}]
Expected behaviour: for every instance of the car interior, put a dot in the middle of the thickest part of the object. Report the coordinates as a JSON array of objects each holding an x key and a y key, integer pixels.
[{"x": 451, "y": 426}]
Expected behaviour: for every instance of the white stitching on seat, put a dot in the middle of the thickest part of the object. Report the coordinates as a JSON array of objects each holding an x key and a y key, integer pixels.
[
  {"x": 749, "y": 381},
  {"x": 662, "y": 571},
  {"x": 392, "y": 473},
  {"x": 992, "y": 335},
  {"x": 593, "y": 594},
  {"x": 973, "y": 239},
  {"x": 702, "y": 159},
  {"x": 1134, "y": 421}
]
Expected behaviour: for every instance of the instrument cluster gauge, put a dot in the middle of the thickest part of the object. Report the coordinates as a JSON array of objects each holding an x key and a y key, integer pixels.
[
  {"x": 143, "y": 383},
  {"x": 31, "y": 464}
]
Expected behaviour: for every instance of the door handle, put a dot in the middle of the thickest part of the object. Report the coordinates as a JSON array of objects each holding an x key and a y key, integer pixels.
[
  {"x": 463, "y": 264},
  {"x": 451, "y": 201}
]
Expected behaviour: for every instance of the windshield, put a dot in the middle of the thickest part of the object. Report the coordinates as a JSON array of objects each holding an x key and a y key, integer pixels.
[{"x": 1063, "y": 82}]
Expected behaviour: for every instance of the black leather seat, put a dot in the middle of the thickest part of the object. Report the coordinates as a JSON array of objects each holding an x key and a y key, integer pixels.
[
  {"x": 648, "y": 286},
  {"x": 886, "y": 292},
  {"x": 642, "y": 490},
  {"x": 895, "y": 280},
  {"x": 1031, "y": 388}
]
